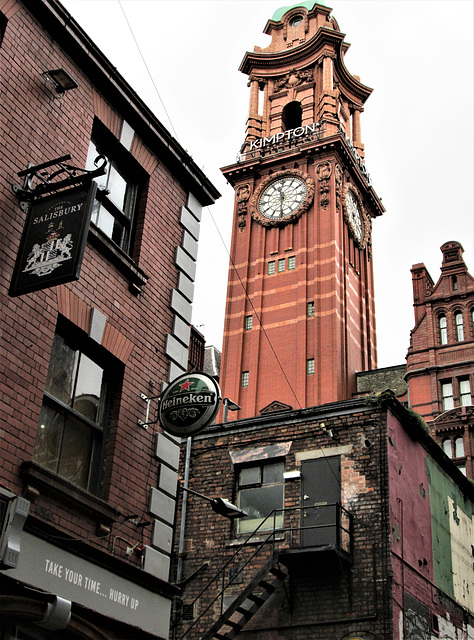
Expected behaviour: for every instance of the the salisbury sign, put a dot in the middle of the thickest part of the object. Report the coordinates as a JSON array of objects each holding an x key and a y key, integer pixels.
[
  {"x": 53, "y": 241},
  {"x": 189, "y": 404}
]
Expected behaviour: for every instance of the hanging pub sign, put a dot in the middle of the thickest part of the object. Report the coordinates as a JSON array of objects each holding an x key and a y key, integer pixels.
[
  {"x": 189, "y": 404},
  {"x": 54, "y": 239}
]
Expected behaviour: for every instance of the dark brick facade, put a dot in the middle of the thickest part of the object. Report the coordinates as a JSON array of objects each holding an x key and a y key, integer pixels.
[
  {"x": 397, "y": 485},
  {"x": 322, "y": 597},
  {"x": 130, "y": 309}
]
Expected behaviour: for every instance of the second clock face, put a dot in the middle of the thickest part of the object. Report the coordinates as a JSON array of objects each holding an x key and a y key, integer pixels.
[
  {"x": 282, "y": 198},
  {"x": 355, "y": 216}
]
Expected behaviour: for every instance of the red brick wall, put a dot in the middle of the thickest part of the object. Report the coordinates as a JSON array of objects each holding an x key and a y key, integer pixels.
[{"x": 37, "y": 126}]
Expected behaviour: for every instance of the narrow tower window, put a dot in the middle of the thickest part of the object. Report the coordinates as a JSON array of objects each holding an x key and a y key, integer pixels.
[
  {"x": 310, "y": 366},
  {"x": 271, "y": 267},
  {"x": 465, "y": 393},
  {"x": 310, "y": 310},
  {"x": 447, "y": 395},
  {"x": 447, "y": 447},
  {"x": 459, "y": 326},
  {"x": 291, "y": 263},
  {"x": 245, "y": 379},
  {"x": 292, "y": 116},
  {"x": 281, "y": 265},
  {"x": 248, "y": 323},
  {"x": 443, "y": 330},
  {"x": 458, "y": 447},
  {"x": 454, "y": 281}
]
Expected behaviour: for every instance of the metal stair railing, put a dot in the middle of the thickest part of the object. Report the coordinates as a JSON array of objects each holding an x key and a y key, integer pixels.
[
  {"x": 221, "y": 572},
  {"x": 343, "y": 540}
]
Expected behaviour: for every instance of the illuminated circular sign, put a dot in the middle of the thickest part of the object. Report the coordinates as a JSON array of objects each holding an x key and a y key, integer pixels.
[{"x": 189, "y": 404}]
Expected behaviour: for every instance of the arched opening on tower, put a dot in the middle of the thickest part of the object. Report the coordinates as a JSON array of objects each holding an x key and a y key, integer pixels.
[{"x": 292, "y": 116}]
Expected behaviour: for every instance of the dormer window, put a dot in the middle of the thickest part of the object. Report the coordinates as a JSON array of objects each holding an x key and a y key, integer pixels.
[{"x": 296, "y": 20}]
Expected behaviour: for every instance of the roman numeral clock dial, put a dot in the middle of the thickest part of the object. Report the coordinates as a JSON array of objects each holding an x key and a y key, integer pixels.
[{"x": 282, "y": 198}]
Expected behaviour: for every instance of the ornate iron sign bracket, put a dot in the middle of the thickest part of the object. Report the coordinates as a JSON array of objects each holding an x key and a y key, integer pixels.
[{"x": 51, "y": 180}]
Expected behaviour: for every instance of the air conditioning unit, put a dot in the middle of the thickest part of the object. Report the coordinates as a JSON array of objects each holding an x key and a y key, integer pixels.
[{"x": 13, "y": 512}]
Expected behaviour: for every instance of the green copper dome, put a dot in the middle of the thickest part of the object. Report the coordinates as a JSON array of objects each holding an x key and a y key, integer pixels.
[{"x": 307, "y": 4}]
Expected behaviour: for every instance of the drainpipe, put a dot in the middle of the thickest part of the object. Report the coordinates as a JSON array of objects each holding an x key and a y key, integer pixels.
[{"x": 179, "y": 570}]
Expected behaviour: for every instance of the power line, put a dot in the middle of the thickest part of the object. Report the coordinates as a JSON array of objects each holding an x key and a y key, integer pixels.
[
  {"x": 148, "y": 70},
  {"x": 257, "y": 315}
]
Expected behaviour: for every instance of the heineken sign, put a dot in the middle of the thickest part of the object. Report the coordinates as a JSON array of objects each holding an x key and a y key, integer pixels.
[{"x": 189, "y": 404}]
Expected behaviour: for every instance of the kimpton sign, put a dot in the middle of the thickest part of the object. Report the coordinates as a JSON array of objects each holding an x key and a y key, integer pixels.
[
  {"x": 290, "y": 134},
  {"x": 189, "y": 404}
]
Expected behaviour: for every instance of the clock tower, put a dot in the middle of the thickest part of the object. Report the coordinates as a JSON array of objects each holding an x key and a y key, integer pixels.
[{"x": 300, "y": 317}]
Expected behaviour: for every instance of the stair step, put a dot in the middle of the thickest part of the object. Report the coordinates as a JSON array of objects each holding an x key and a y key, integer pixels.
[
  {"x": 267, "y": 586},
  {"x": 248, "y": 613},
  {"x": 257, "y": 599},
  {"x": 278, "y": 573},
  {"x": 235, "y": 625}
]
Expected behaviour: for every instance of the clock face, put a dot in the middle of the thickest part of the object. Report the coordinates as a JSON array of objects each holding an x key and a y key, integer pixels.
[
  {"x": 282, "y": 198},
  {"x": 355, "y": 216}
]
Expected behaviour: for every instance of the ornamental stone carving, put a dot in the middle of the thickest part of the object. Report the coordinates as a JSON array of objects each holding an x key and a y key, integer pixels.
[
  {"x": 292, "y": 79},
  {"x": 242, "y": 196},
  {"x": 323, "y": 173}
]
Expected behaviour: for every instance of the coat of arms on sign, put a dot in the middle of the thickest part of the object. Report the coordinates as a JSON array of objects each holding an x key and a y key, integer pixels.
[{"x": 44, "y": 258}]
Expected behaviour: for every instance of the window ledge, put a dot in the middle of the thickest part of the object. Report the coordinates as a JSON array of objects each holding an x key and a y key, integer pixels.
[
  {"x": 279, "y": 537},
  {"x": 136, "y": 277},
  {"x": 48, "y": 483}
]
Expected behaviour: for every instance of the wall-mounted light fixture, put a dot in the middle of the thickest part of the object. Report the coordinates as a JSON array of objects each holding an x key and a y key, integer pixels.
[
  {"x": 219, "y": 505},
  {"x": 60, "y": 79},
  {"x": 229, "y": 405}
]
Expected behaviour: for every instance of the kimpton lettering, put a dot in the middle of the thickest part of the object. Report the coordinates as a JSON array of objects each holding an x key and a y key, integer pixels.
[{"x": 298, "y": 132}]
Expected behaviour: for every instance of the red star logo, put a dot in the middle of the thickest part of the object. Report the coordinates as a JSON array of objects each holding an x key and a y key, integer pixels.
[{"x": 185, "y": 386}]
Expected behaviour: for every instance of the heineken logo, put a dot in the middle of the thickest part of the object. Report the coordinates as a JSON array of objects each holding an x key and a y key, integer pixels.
[{"x": 189, "y": 404}]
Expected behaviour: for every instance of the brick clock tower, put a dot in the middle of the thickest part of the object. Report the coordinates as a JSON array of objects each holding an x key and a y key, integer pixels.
[{"x": 300, "y": 318}]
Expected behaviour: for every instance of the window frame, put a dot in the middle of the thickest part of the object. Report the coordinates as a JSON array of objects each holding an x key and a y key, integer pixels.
[
  {"x": 271, "y": 268},
  {"x": 310, "y": 367},
  {"x": 66, "y": 413},
  {"x": 447, "y": 399},
  {"x": 249, "y": 524},
  {"x": 121, "y": 161},
  {"x": 310, "y": 309},
  {"x": 465, "y": 392},
  {"x": 291, "y": 263},
  {"x": 248, "y": 323},
  {"x": 244, "y": 378},
  {"x": 443, "y": 329},
  {"x": 459, "y": 326},
  {"x": 281, "y": 265}
]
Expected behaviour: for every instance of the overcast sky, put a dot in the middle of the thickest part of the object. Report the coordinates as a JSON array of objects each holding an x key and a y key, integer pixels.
[{"x": 417, "y": 126}]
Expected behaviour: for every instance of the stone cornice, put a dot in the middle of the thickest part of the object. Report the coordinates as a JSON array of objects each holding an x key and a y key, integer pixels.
[{"x": 304, "y": 55}]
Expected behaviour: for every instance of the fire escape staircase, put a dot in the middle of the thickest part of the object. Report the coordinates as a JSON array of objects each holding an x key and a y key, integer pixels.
[
  {"x": 246, "y": 605},
  {"x": 328, "y": 539}
]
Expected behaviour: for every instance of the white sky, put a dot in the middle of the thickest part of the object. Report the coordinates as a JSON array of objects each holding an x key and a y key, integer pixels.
[{"x": 417, "y": 126}]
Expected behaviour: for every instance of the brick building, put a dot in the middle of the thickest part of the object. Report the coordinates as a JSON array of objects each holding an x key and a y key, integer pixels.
[
  {"x": 302, "y": 236},
  {"x": 370, "y": 538},
  {"x": 358, "y": 525},
  {"x": 88, "y": 482},
  {"x": 440, "y": 361}
]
